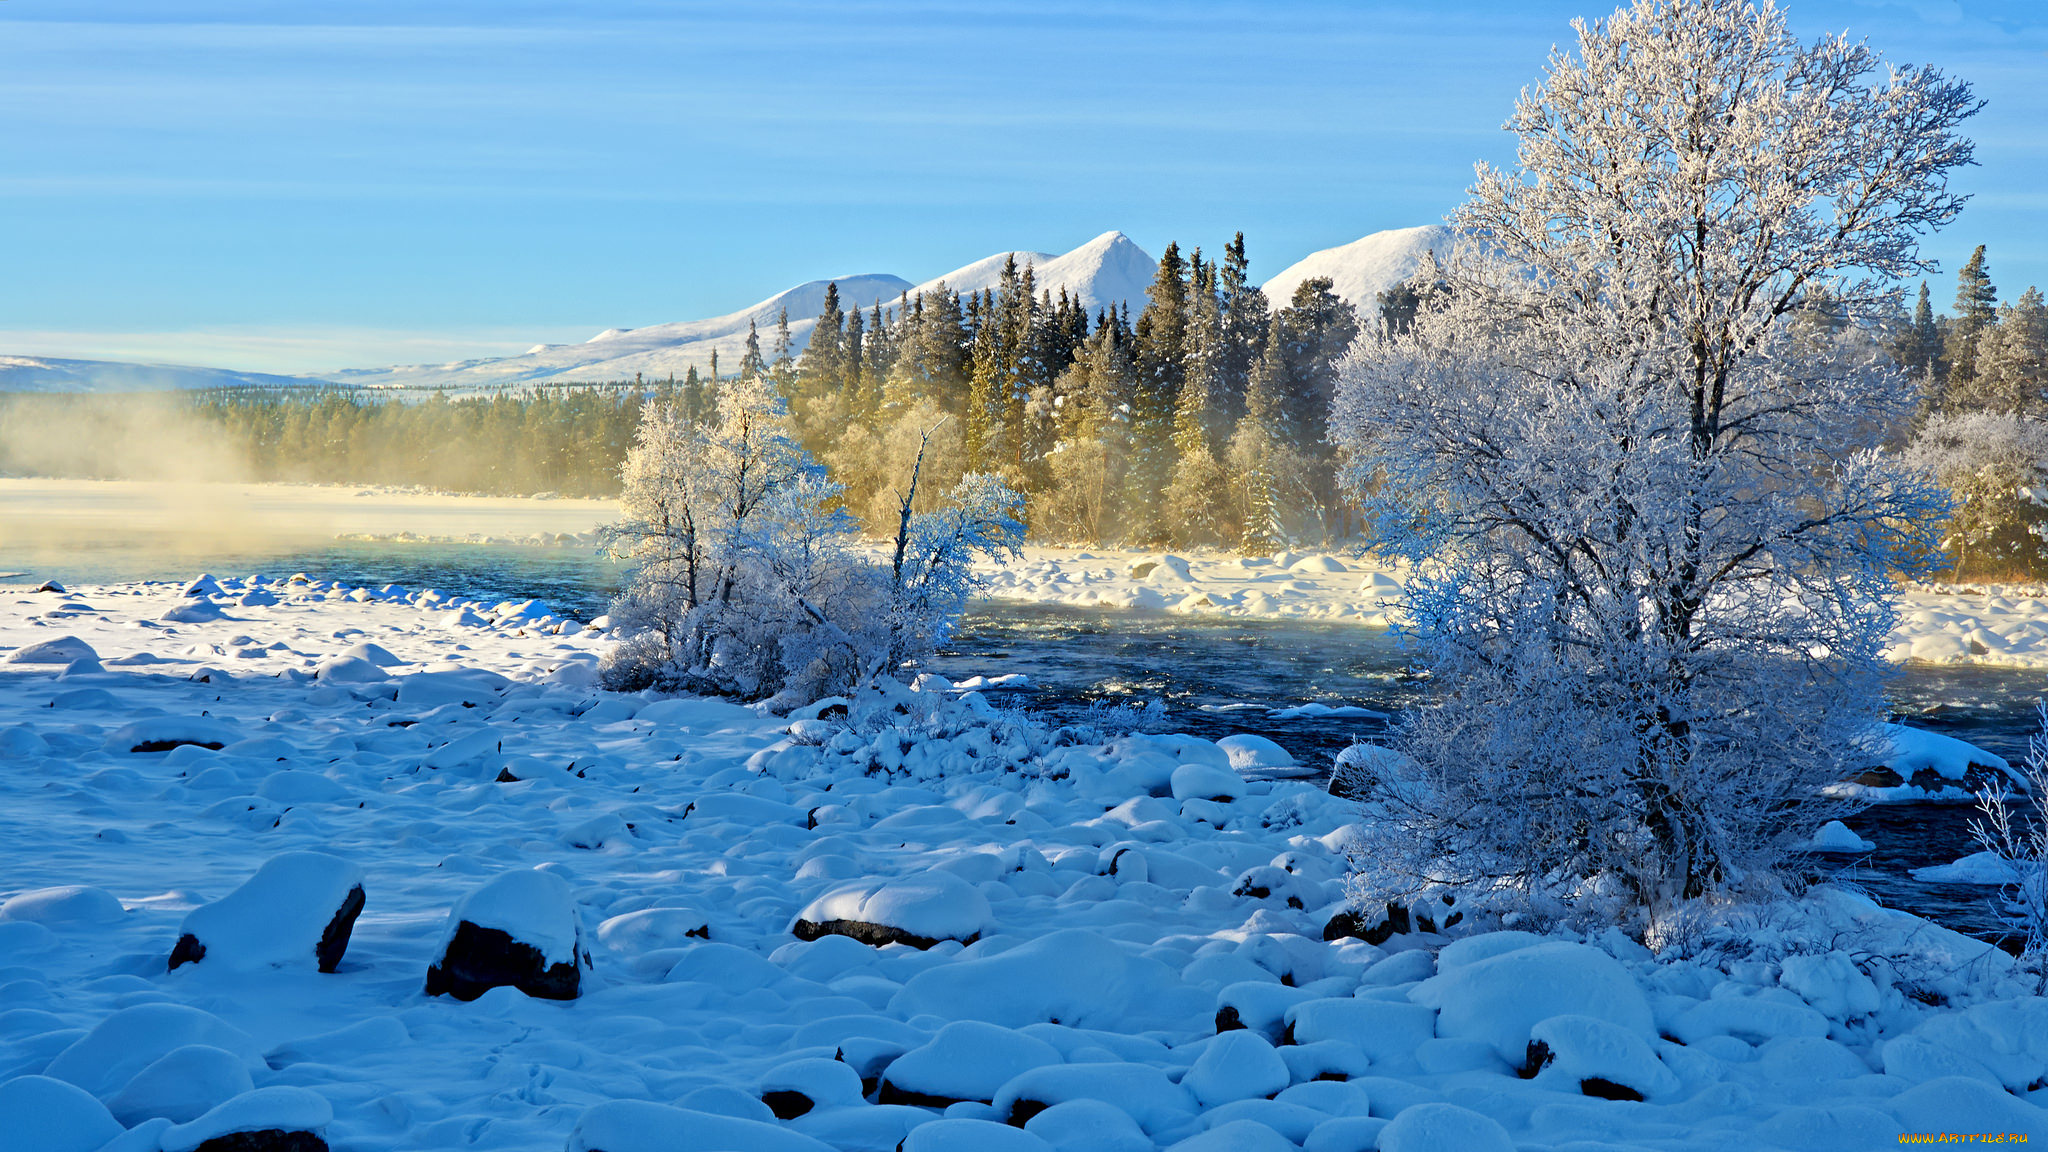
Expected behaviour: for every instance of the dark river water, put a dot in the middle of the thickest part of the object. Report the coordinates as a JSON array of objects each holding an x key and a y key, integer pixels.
[{"x": 1211, "y": 676}]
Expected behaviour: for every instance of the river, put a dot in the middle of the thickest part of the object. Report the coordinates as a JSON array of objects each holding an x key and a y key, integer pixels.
[{"x": 1214, "y": 676}]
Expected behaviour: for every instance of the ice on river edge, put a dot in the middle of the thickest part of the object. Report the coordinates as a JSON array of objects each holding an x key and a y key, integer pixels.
[
  {"x": 1124, "y": 895},
  {"x": 1991, "y": 624}
]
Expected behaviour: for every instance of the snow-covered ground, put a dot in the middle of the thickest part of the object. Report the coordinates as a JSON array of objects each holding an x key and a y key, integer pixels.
[
  {"x": 1073, "y": 920},
  {"x": 1985, "y": 624}
]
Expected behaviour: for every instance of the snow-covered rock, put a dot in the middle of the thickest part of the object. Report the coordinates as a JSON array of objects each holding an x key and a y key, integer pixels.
[
  {"x": 163, "y": 733},
  {"x": 58, "y": 650},
  {"x": 297, "y": 910},
  {"x": 967, "y": 1060},
  {"x": 1249, "y": 751},
  {"x": 1443, "y": 1128},
  {"x": 39, "y": 1114},
  {"x": 279, "y": 1109},
  {"x": 644, "y": 1126},
  {"x": 1236, "y": 1065},
  {"x": 182, "y": 1085},
  {"x": 1835, "y": 836},
  {"x": 917, "y": 910},
  {"x": 520, "y": 930},
  {"x": 65, "y": 904},
  {"x": 1597, "y": 1058},
  {"x": 105, "y": 1059},
  {"x": 1499, "y": 1000}
]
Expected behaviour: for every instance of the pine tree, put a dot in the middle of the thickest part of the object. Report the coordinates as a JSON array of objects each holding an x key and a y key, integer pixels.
[
  {"x": 2012, "y": 359},
  {"x": 752, "y": 365},
  {"x": 1244, "y": 311},
  {"x": 1976, "y": 310}
]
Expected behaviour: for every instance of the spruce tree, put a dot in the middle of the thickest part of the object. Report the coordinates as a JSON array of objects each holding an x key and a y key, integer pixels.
[
  {"x": 1244, "y": 311},
  {"x": 1976, "y": 310},
  {"x": 752, "y": 364}
]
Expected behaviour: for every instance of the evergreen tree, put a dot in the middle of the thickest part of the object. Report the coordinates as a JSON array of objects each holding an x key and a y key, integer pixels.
[
  {"x": 1244, "y": 311},
  {"x": 2012, "y": 359},
  {"x": 752, "y": 365},
  {"x": 1976, "y": 310}
]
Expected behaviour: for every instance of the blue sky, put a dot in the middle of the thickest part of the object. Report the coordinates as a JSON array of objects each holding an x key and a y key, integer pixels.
[{"x": 300, "y": 185}]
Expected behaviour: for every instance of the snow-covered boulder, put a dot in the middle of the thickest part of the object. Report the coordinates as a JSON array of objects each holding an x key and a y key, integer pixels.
[
  {"x": 194, "y": 612},
  {"x": 65, "y": 904},
  {"x": 1206, "y": 782},
  {"x": 796, "y": 1087},
  {"x": 349, "y": 670},
  {"x": 1835, "y": 836},
  {"x": 643, "y": 1126},
  {"x": 1072, "y": 977},
  {"x": 1594, "y": 1057},
  {"x": 374, "y": 653},
  {"x": 520, "y": 930},
  {"x": 105, "y": 1059},
  {"x": 298, "y": 909},
  {"x": 1089, "y": 1126},
  {"x": 918, "y": 910},
  {"x": 967, "y": 1060},
  {"x": 1236, "y": 1065},
  {"x": 1386, "y": 1030},
  {"x": 1247, "y": 751},
  {"x": 1318, "y": 562},
  {"x": 182, "y": 1085},
  {"x": 1139, "y": 1090},
  {"x": 59, "y": 650},
  {"x": 202, "y": 585},
  {"x": 1443, "y": 1128},
  {"x": 1913, "y": 762},
  {"x": 1498, "y": 1000},
  {"x": 962, "y": 1134},
  {"x": 40, "y": 1114},
  {"x": 1976, "y": 868},
  {"x": 274, "y": 1119},
  {"x": 1160, "y": 567},
  {"x": 1966, "y": 1104},
  {"x": 163, "y": 733}
]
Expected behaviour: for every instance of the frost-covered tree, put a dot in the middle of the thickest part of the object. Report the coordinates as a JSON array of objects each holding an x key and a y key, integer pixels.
[
  {"x": 1653, "y": 532},
  {"x": 1995, "y": 467},
  {"x": 748, "y": 580}
]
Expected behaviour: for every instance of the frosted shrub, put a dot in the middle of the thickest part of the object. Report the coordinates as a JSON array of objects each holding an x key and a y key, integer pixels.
[
  {"x": 751, "y": 581},
  {"x": 1653, "y": 531},
  {"x": 2020, "y": 839},
  {"x": 1995, "y": 467}
]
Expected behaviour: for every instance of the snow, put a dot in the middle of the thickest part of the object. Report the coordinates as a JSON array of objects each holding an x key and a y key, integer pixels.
[
  {"x": 1835, "y": 836},
  {"x": 1976, "y": 868},
  {"x": 1361, "y": 270},
  {"x": 531, "y": 906},
  {"x": 276, "y": 919},
  {"x": 281, "y": 1107},
  {"x": 1116, "y": 911},
  {"x": 1105, "y": 273}
]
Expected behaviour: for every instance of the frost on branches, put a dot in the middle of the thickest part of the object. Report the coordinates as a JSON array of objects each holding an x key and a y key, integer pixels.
[
  {"x": 1655, "y": 534},
  {"x": 1992, "y": 464},
  {"x": 750, "y": 581}
]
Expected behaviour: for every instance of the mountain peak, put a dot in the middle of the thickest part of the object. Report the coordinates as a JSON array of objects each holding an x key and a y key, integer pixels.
[{"x": 1361, "y": 270}]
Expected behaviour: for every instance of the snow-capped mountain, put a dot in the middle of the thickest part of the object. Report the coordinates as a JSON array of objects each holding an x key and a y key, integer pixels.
[
  {"x": 1361, "y": 270},
  {"x": 1105, "y": 272},
  {"x": 50, "y": 374},
  {"x": 656, "y": 350}
]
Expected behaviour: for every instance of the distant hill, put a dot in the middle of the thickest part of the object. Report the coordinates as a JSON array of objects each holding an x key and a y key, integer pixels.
[
  {"x": 1361, "y": 270},
  {"x": 654, "y": 351},
  {"x": 49, "y": 374},
  {"x": 1105, "y": 272}
]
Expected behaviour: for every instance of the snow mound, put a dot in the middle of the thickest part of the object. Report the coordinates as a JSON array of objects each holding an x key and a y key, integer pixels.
[
  {"x": 1976, "y": 868},
  {"x": 1236, "y": 1065},
  {"x": 916, "y": 910},
  {"x": 967, "y": 1060},
  {"x": 106, "y": 1058},
  {"x": 39, "y": 1114},
  {"x": 296, "y": 911},
  {"x": 163, "y": 733},
  {"x": 60, "y": 650},
  {"x": 1247, "y": 751},
  {"x": 277, "y": 1108},
  {"x": 1073, "y": 977},
  {"x": 1443, "y": 1128},
  {"x": 65, "y": 904},
  {"x": 1499, "y": 1000},
  {"x": 642, "y": 1126},
  {"x": 1835, "y": 836},
  {"x": 182, "y": 1085}
]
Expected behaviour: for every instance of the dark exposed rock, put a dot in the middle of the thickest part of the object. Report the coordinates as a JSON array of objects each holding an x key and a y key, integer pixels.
[
  {"x": 167, "y": 745},
  {"x": 266, "y": 1140},
  {"x": 1228, "y": 1019},
  {"x": 871, "y": 934},
  {"x": 1608, "y": 1089},
  {"x": 786, "y": 1104},
  {"x": 480, "y": 959},
  {"x": 334, "y": 938}
]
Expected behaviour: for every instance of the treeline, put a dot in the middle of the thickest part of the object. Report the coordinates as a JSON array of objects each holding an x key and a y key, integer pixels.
[
  {"x": 1983, "y": 425},
  {"x": 1201, "y": 421}
]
